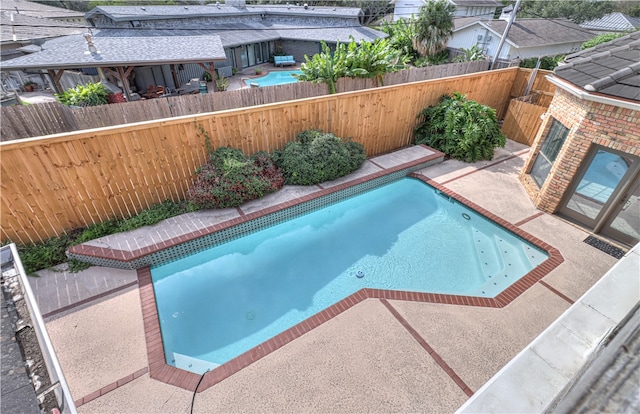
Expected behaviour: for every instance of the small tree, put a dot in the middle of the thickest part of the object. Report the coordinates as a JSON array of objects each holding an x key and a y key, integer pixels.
[
  {"x": 461, "y": 128},
  {"x": 434, "y": 26}
]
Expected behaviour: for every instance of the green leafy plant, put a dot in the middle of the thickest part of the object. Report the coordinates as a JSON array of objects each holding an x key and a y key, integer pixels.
[
  {"x": 470, "y": 55},
  {"x": 51, "y": 252},
  {"x": 461, "y": 128},
  {"x": 401, "y": 34},
  {"x": 316, "y": 156},
  {"x": 91, "y": 94},
  {"x": 603, "y": 38},
  {"x": 222, "y": 83},
  {"x": 206, "y": 76},
  {"x": 546, "y": 62},
  {"x": 439, "y": 58},
  {"x": 230, "y": 178},
  {"x": 258, "y": 71},
  {"x": 434, "y": 26}
]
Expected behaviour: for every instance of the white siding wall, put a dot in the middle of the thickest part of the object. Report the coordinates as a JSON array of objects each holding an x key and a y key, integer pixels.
[
  {"x": 465, "y": 11},
  {"x": 405, "y": 8},
  {"x": 528, "y": 52}
]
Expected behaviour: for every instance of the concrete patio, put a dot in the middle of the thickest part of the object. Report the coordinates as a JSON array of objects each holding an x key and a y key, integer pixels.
[{"x": 378, "y": 356}]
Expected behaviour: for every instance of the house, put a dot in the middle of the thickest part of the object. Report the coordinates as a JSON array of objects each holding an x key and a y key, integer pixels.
[
  {"x": 526, "y": 38},
  {"x": 24, "y": 26},
  {"x": 243, "y": 36},
  {"x": 612, "y": 23},
  {"x": 485, "y": 9},
  {"x": 585, "y": 160}
]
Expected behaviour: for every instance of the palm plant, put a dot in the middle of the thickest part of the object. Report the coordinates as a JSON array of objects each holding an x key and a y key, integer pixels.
[
  {"x": 434, "y": 26},
  {"x": 325, "y": 67},
  {"x": 373, "y": 59}
]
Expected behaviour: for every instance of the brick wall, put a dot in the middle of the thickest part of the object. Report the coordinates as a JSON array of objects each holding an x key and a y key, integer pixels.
[{"x": 589, "y": 124}]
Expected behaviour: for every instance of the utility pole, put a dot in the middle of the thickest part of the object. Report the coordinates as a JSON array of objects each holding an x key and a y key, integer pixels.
[{"x": 512, "y": 17}]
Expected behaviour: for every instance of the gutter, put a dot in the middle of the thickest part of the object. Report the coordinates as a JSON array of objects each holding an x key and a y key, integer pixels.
[{"x": 585, "y": 95}]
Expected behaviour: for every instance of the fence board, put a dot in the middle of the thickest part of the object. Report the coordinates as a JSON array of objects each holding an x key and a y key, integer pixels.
[
  {"x": 54, "y": 184},
  {"x": 522, "y": 121}
]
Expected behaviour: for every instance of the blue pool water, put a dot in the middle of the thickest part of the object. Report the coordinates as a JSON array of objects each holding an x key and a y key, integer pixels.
[
  {"x": 219, "y": 303},
  {"x": 274, "y": 78}
]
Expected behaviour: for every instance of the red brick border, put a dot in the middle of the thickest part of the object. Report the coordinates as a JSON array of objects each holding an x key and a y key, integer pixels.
[
  {"x": 108, "y": 388},
  {"x": 158, "y": 369}
]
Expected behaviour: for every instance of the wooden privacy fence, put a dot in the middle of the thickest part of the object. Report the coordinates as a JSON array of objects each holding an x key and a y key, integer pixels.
[
  {"x": 57, "y": 183},
  {"x": 52, "y": 118}
]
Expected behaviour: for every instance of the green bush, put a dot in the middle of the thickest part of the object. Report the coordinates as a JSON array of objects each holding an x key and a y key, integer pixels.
[
  {"x": 546, "y": 62},
  {"x": 91, "y": 94},
  {"x": 230, "y": 178},
  {"x": 316, "y": 156},
  {"x": 461, "y": 128}
]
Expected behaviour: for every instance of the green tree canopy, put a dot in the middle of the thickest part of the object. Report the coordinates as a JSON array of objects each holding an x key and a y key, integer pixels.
[
  {"x": 577, "y": 11},
  {"x": 434, "y": 26}
]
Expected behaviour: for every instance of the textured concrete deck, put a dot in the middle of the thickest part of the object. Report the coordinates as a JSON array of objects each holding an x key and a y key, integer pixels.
[{"x": 396, "y": 356}]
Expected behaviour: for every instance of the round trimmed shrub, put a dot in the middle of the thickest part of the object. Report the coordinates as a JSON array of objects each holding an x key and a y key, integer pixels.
[
  {"x": 463, "y": 129},
  {"x": 316, "y": 156},
  {"x": 230, "y": 178}
]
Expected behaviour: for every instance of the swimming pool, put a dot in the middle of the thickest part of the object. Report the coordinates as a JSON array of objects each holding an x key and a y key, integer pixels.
[
  {"x": 275, "y": 78},
  {"x": 224, "y": 301}
]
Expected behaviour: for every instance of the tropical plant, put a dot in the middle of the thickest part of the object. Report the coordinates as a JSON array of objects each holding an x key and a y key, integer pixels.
[
  {"x": 473, "y": 54},
  {"x": 316, "y": 156},
  {"x": 206, "y": 76},
  {"x": 372, "y": 59},
  {"x": 325, "y": 67},
  {"x": 230, "y": 178},
  {"x": 461, "y": 128},
  {"x": 434, "y": 26},
  {"x": 401, "y": 34},
  {"x": 91, "y": 94},
  {"x": 222, "y": 83},
  {"x": 439, "y": 58}
]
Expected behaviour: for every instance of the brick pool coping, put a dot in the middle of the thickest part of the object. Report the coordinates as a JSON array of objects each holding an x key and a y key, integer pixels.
[{"x": 159, "y": 370}]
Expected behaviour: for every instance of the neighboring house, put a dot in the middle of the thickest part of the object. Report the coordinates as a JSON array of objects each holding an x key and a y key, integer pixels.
[
  {"x": 247, "y": 36},
  {"x": 526, "y": 38},
  {"x": 612, "y": 23},
  {"x": 585, "y": 160},
  {"x": 24, "y": 26},
  {"x": 485, "y": 9}
]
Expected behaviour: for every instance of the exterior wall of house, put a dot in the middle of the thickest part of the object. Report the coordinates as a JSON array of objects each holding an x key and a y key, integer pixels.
[
  {"x": 406, "y": 8},
  {"x": 589, "y": 124},
  {"x": 528, "y": 52},
  {"x": 299, "y": 48},
  {"x": 469, "y": 11}
]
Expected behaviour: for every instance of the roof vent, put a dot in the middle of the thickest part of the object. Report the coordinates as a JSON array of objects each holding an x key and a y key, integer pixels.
[
  {"x": 306, "y": 6},
  {"x": 143, "y": 8}
]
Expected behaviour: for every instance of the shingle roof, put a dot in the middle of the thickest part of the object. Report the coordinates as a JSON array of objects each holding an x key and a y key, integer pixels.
[
  {"x": 27, "y": 28},
  {"x": 540, "y": 32},
  {"x": 32, "y": 9},
  {"x": 124, "y": 13},
  {"x": 611, "y": 68},
  {"x": 613, "y": 22},
  {"x": 69, "y": 52}
]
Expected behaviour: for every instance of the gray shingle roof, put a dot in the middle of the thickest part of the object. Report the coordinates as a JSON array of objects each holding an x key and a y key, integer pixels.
[
  {"x": 32, "y": 9},
  {"x": 27, "y": 28},
  {"x": 541, "y": 32},
  {"x": 614, "y": 22},
  {"x": 124, "y": 13},
  {"x": 69, "y": 52},
  {"x": 611, "y": 68}
]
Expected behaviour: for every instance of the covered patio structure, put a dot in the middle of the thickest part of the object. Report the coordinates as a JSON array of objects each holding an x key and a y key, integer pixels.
[{"x": 118, "y": 56}]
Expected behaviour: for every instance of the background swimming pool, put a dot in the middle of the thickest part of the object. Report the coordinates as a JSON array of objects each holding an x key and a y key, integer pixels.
[
  {"x": 274, "y": 78},
  {"x": 219, "y": 303}
]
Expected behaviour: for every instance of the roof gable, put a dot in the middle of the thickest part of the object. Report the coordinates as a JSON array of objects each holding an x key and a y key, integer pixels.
[{"x": 614, "y": 22}]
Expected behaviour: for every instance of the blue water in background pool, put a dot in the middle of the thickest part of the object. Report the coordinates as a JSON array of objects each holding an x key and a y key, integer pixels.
[
  {"x": 275, "y": 78},
  {"x": 219, "y": 303}
]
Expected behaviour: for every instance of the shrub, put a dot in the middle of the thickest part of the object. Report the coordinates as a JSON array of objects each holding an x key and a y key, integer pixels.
[
  {"x": 316, "y": 156},
  {"x": 461, "y": 128},
  {"x": 229, "y": 179},
  {"x": 91, "y": 94}
]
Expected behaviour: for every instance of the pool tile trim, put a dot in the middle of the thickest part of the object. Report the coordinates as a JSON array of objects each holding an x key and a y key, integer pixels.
[
  {"x": 141, "y": 257},
  {"x": 159, "y": 370}
]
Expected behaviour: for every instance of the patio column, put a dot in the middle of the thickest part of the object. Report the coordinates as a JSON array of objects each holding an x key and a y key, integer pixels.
[
  {"x": 123, "y": 76},
  {"x": 55, "y": 77},
  {"x": 211, "y": 71}
]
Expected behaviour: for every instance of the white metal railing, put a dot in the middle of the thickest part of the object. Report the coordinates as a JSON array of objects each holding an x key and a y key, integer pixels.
[{"x": 58, "y": 383}]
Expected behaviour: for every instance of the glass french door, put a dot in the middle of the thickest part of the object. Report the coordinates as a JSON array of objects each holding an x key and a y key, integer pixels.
[{"x": 604, "y": 195}]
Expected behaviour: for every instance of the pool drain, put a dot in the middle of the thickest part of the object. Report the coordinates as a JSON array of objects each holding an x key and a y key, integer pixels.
[
  {"x": 251, "y": 315},
  {"x": 359, "y": 274}
]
